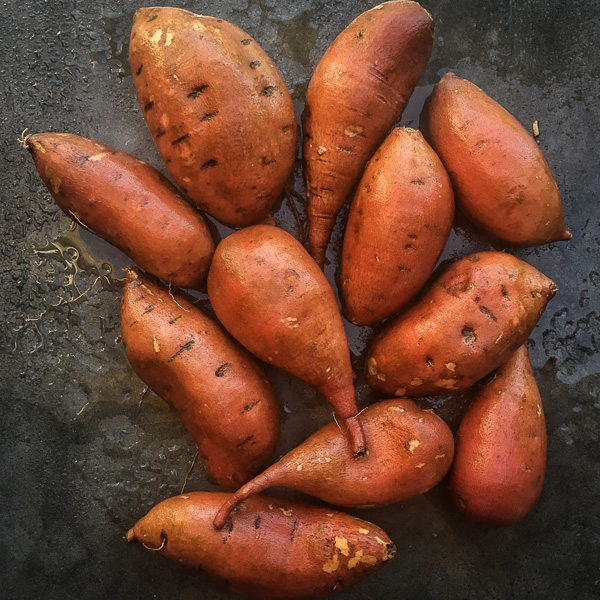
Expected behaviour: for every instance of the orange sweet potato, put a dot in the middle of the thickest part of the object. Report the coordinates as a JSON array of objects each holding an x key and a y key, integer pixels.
[
  {"x": 128, "y": 203},
  {"x": 271, "y": 548},
  {"x": 218, "y": 109},
  {"x": 410, "y": 451},
  {"x": 500, "y": 177},
  {"x": 273, "y": 298},
  {"x": 498, "y": 473},
  {"x": 399, "y": 222},
  {"x": 357, "y": 92},
  {"x": 219, "y": 391},
  {"x": 476, "y": 314}
]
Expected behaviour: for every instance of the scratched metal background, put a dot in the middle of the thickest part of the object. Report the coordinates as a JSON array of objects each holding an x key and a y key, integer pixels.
[{"x": 83, "y": 454}]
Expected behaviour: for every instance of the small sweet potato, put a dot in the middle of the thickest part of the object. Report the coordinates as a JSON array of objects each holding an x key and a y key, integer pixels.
[
  {"x": 399, "y": 222},
  {"x": 128, "y": 203},
  {"x": 476, "y": 314},
  {"x": 270, "y": 548},
  {"x": 500, "y": 177},
  {"x": 357, "y": 92},
  {"x": 410, "y": 451},
  {"x": 219, "y": 391},
  {"x": 273, "y": 298},
  {"x": 219, "y": 111},
  {"x": 498, "y": 473}
]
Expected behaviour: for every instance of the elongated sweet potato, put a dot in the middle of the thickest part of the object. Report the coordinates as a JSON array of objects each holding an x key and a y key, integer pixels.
[
  {"x": 476, "y": 314},
  {"x": 399, "y": 222},
  {"x": 128, "y": 203},
  {"x": 273, "y": 298},
  {"x": 219, "y": 391},
  {"x": 500, "y": 177},
  {"x": 271, "y": 548},
  {"x": 410, "y": 451},
  {"x": 498, "y": 473},
  {"x": 357, "y": 92},
  {"x": 218, "y": 109}
]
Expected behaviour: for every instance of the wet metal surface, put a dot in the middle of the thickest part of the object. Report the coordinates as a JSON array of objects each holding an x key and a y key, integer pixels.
[{"x": 85, "y": 453}]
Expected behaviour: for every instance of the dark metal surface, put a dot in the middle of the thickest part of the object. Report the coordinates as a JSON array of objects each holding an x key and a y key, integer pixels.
[{"x": 84, "y": 454}]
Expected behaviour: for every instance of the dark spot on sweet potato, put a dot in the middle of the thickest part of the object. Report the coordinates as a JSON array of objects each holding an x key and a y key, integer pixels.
[
  {"x": 152, "y": 18},
  {"x": 468, "y": 334},
  {"x": 287, "y": 128},
  {"x": 160, "y": 133},
  {"x": 183, "y": 348},
  {"x": 250, "y": 406},
  {"x": 244, "y": 441},
  {"x": 488, "y": 313},
  {"x": 359, "y": 35},
  {"x": 409, "y": 246},
  {"x": 473, "y": 258},
  {"x": 209, "y": 163},
  {"x": 504, "y": 290},
  {"x": 223, "y": 370},
  {"x": 246, "y": 41},
  {"x": 264, "y": 161},
  {"x": 141, "y": 298},
  {"x": 418, "y": 182},
  {"x": 293, "y": 534},
  {"x": 164, "y": 224},
  {"x": 197, "y": 91},
  {"x": 180, "y": 139},
  {"x": 219, "y": 20},
  {"x": 412, "y": 236},
  {"x": 118, "y": 176},
  {"x": 257, "y": 523},
  {"x": 148, "y": 106},
  {"x": 255, "y": 64},
  {"x": 429, "y": 362},
  {"x": 175, "y": 319},
  {"x": 139, "y": 69},
  {"x": 403, "y": 268},
  {"x": 149, "y": 309},
  {"x": 209, "y": 116},
  {"x": 269, "y": 90}
]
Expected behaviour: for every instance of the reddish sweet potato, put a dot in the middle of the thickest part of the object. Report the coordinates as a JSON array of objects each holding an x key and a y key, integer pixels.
[
  {"x": 477, "y": 313},
  {"x": 500, "y": 177},
  {"x": 271, "y": 548},
  {"x": 399, "y": 222},
  {"x": 218, "y": 109},
  {"x": 272, "y": 297},
  {"x": 128, "y": 203},
  {"x": 498, "y": 473},
  {"x": 410, "y": 451},
  {"x": 219, "y": 391},
  {"x": 357, "y": 92}
]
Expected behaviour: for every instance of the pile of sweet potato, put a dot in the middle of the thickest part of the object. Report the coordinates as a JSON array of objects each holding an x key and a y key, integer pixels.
[{"x": 225, "y": 125}]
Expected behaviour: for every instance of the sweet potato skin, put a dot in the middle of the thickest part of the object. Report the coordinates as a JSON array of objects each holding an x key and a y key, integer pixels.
[
  {"x": 410, "y": 451},
  {"x": 272, "y": 297},
  {"x": 219, "y": 111},
  {"x": 357, "y": 92},
  {"x": 218, "y": 389},
  {"x": 271, "y": 548},
  {"x": 499, "y": 174},
  {"x": 398, "y": 225},
  {"x": 128, "y": 203},
  {"x": 476, "y": 314},
  {"x": 498, "y": 473}
]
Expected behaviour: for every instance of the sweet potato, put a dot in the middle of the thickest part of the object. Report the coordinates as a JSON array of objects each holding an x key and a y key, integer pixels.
[
  {"x": 271, "y": 548},
  {"x": 128, "y": 203},
  {"x": 219, "y": 391},
  {"x": 500, "y": 177},
  {"x": 219, "y": 111},
  {"x": 410, "y": 451},
  {"x": 498, "y": 473},
  {"x": 357, "y": 92},
  {"x": 399, "y": 222},
  {"x": 476, "y": 314},
  {"x": 272, "y": 297}
]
